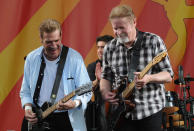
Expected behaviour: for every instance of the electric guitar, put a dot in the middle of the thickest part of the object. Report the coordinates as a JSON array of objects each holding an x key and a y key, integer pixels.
[
  {"x": 125, "y": 92},
  {"x": 47, "y": 108}
]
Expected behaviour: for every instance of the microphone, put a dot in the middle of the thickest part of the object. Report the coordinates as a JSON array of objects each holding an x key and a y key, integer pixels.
[
  {"x": 181, "y": 75},
  {"x": 182, "y": 82}
]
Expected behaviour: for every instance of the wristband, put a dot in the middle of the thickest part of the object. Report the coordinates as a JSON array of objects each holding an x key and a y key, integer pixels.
[
  {"x": 28, "y": 108},
  {"x": 77, "y": 103}
]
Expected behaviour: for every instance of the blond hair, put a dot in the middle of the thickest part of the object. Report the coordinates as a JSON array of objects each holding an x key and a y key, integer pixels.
[
  {"x": 122, "y": 11},
  {"x": 48, "y": 26}
]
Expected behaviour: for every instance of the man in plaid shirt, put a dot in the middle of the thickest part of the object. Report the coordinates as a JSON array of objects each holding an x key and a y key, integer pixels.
[{"x": 149, "y": 91}]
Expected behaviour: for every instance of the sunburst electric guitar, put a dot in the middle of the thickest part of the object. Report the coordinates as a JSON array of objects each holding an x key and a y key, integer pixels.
[{"x": 125, "y": 92}]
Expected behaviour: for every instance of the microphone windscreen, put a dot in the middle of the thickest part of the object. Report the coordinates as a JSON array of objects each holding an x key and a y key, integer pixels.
[{"x": 181, "y": 74}]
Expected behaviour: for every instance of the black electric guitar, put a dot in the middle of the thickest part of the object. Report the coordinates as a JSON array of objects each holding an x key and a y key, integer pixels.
[
  {"x": 47, "y": 108},
  {"x": 125, "y": 92}
]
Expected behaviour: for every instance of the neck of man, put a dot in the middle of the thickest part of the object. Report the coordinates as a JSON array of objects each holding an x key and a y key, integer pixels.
[{"x": 128, "y": 44}]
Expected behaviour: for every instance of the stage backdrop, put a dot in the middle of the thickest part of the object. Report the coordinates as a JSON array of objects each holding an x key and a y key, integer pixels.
[{"x": 82, "y": 21}]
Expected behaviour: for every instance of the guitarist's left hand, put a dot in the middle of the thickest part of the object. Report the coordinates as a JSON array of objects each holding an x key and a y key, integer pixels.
[
  {"x": 141, "y": 82},
  {"x": 70, "y": 104}
]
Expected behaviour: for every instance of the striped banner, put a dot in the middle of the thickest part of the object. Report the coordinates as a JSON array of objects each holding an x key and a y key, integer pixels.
[{"x": 82, "y": 21}]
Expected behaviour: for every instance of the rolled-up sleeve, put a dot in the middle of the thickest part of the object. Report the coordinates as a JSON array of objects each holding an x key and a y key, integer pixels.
[
  {"x": 25, "y": 93},
  {"x": 106, "y": 69},
  {"x": 82, "y": 79},
  {"x": 164, "y": 64}
]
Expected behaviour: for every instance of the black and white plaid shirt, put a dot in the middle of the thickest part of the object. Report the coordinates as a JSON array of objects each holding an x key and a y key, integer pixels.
[{"x": 116, "y": 60}]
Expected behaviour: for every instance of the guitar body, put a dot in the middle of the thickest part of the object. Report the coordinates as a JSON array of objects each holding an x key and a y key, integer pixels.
[
  {"x": 43, "y": 124},
  {"x": 114, "y": 115},
  {"x": 115, "y": 111},
  {"x": 40, "y": 127}
]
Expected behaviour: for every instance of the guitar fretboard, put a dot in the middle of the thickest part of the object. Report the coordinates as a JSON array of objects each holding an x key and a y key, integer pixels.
[
  {"x": 129, "y": 89},
  {"x": 127, "y": 92},
  {"x": 51, "y": 109}
]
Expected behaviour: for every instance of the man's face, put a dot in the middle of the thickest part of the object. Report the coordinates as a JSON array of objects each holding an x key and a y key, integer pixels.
[
  {"x": 52, "y": 44},
  {"x": 100, "y": 48},
  {"x": 124, "y": 29}
]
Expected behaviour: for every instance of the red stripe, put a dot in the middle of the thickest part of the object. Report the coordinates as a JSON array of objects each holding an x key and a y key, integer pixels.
[
  {"x": 11, "y": 111},
  {"x": 14, "y": 15},
  {"x": 153, "y": 19},
  {"x": 85, "y": 23},
  {"x": 188, "y": 58}
]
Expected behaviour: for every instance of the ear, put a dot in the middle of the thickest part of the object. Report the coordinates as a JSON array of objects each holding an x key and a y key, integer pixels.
[
  {"x": 41, "y": 39},
  {"x": 61, "y": 36},
  {"x": 61, "y": 33},
  {"x": 134, "y": 21}
]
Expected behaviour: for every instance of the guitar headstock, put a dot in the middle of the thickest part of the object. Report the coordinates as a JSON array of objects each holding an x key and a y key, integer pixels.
[
  {"x": 159, "y": 57},
  {"x": 84, "y": 89}
]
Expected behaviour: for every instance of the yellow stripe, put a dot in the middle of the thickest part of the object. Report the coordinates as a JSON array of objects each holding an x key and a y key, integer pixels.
[
  {"x": 178, "y": 46},
  {"x": 179, "y": 27},
  {"x": 12, "y": 58},
  {"x": 176, "y": 13}
]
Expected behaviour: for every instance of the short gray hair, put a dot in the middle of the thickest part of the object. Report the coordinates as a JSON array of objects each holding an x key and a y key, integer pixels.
[
  {"x": 122, "y": 11},
  {"x": 48, "y": 26}
]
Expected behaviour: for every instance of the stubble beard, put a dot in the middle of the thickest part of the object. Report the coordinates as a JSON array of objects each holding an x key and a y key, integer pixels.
[{"x": 123, "y": 39}]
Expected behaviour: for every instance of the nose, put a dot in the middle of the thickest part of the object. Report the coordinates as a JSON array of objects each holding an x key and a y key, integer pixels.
[
  {"x": 53, "y": 42},
  {"x": 118, "y": 32},
  {"x": 100, "y": 49}
]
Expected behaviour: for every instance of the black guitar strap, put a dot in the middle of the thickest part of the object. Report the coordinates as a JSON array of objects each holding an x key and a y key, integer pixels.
[
  {"x": 57, "y": 79},
  {"x": 135, "y": 56},
  {"x": 59, "y": 74},
  {"x": 39, "y": 82}
]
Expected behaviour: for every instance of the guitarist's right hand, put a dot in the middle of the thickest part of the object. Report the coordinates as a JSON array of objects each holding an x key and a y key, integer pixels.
[
  {"x": 30, "y": 116},
  {"x": 110, "y": 97}
]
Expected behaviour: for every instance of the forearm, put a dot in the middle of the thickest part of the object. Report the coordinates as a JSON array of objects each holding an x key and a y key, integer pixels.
[
  {"x": 105, "y": 86},
  {"x": 107, "y": 95},
  {"x": 162, "y": 77}
]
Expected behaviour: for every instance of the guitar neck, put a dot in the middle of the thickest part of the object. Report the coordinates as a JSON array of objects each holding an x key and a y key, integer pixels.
[
  {"x": 128, "y": 90},
  {"x": 51, "y": 109}
]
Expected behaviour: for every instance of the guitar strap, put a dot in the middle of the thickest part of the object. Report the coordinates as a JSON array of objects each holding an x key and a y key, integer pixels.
[
  {"x": 59, "y": 74},
  {"x": 135, "y": 56},
  {"x": 57, "y": 79},
  {"x": 39, "y": 82}
]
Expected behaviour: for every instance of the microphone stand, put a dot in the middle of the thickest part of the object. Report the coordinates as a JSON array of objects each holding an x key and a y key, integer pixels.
[
  {"x": 190, "y": 114},
  {"x": 182, "y": 105},
  {"x": 183, "y": 102},
  {"x": 185, "y": 114}
]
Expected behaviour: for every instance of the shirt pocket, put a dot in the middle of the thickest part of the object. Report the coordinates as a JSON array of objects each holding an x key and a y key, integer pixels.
[{"x": 70, "y": 80}]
